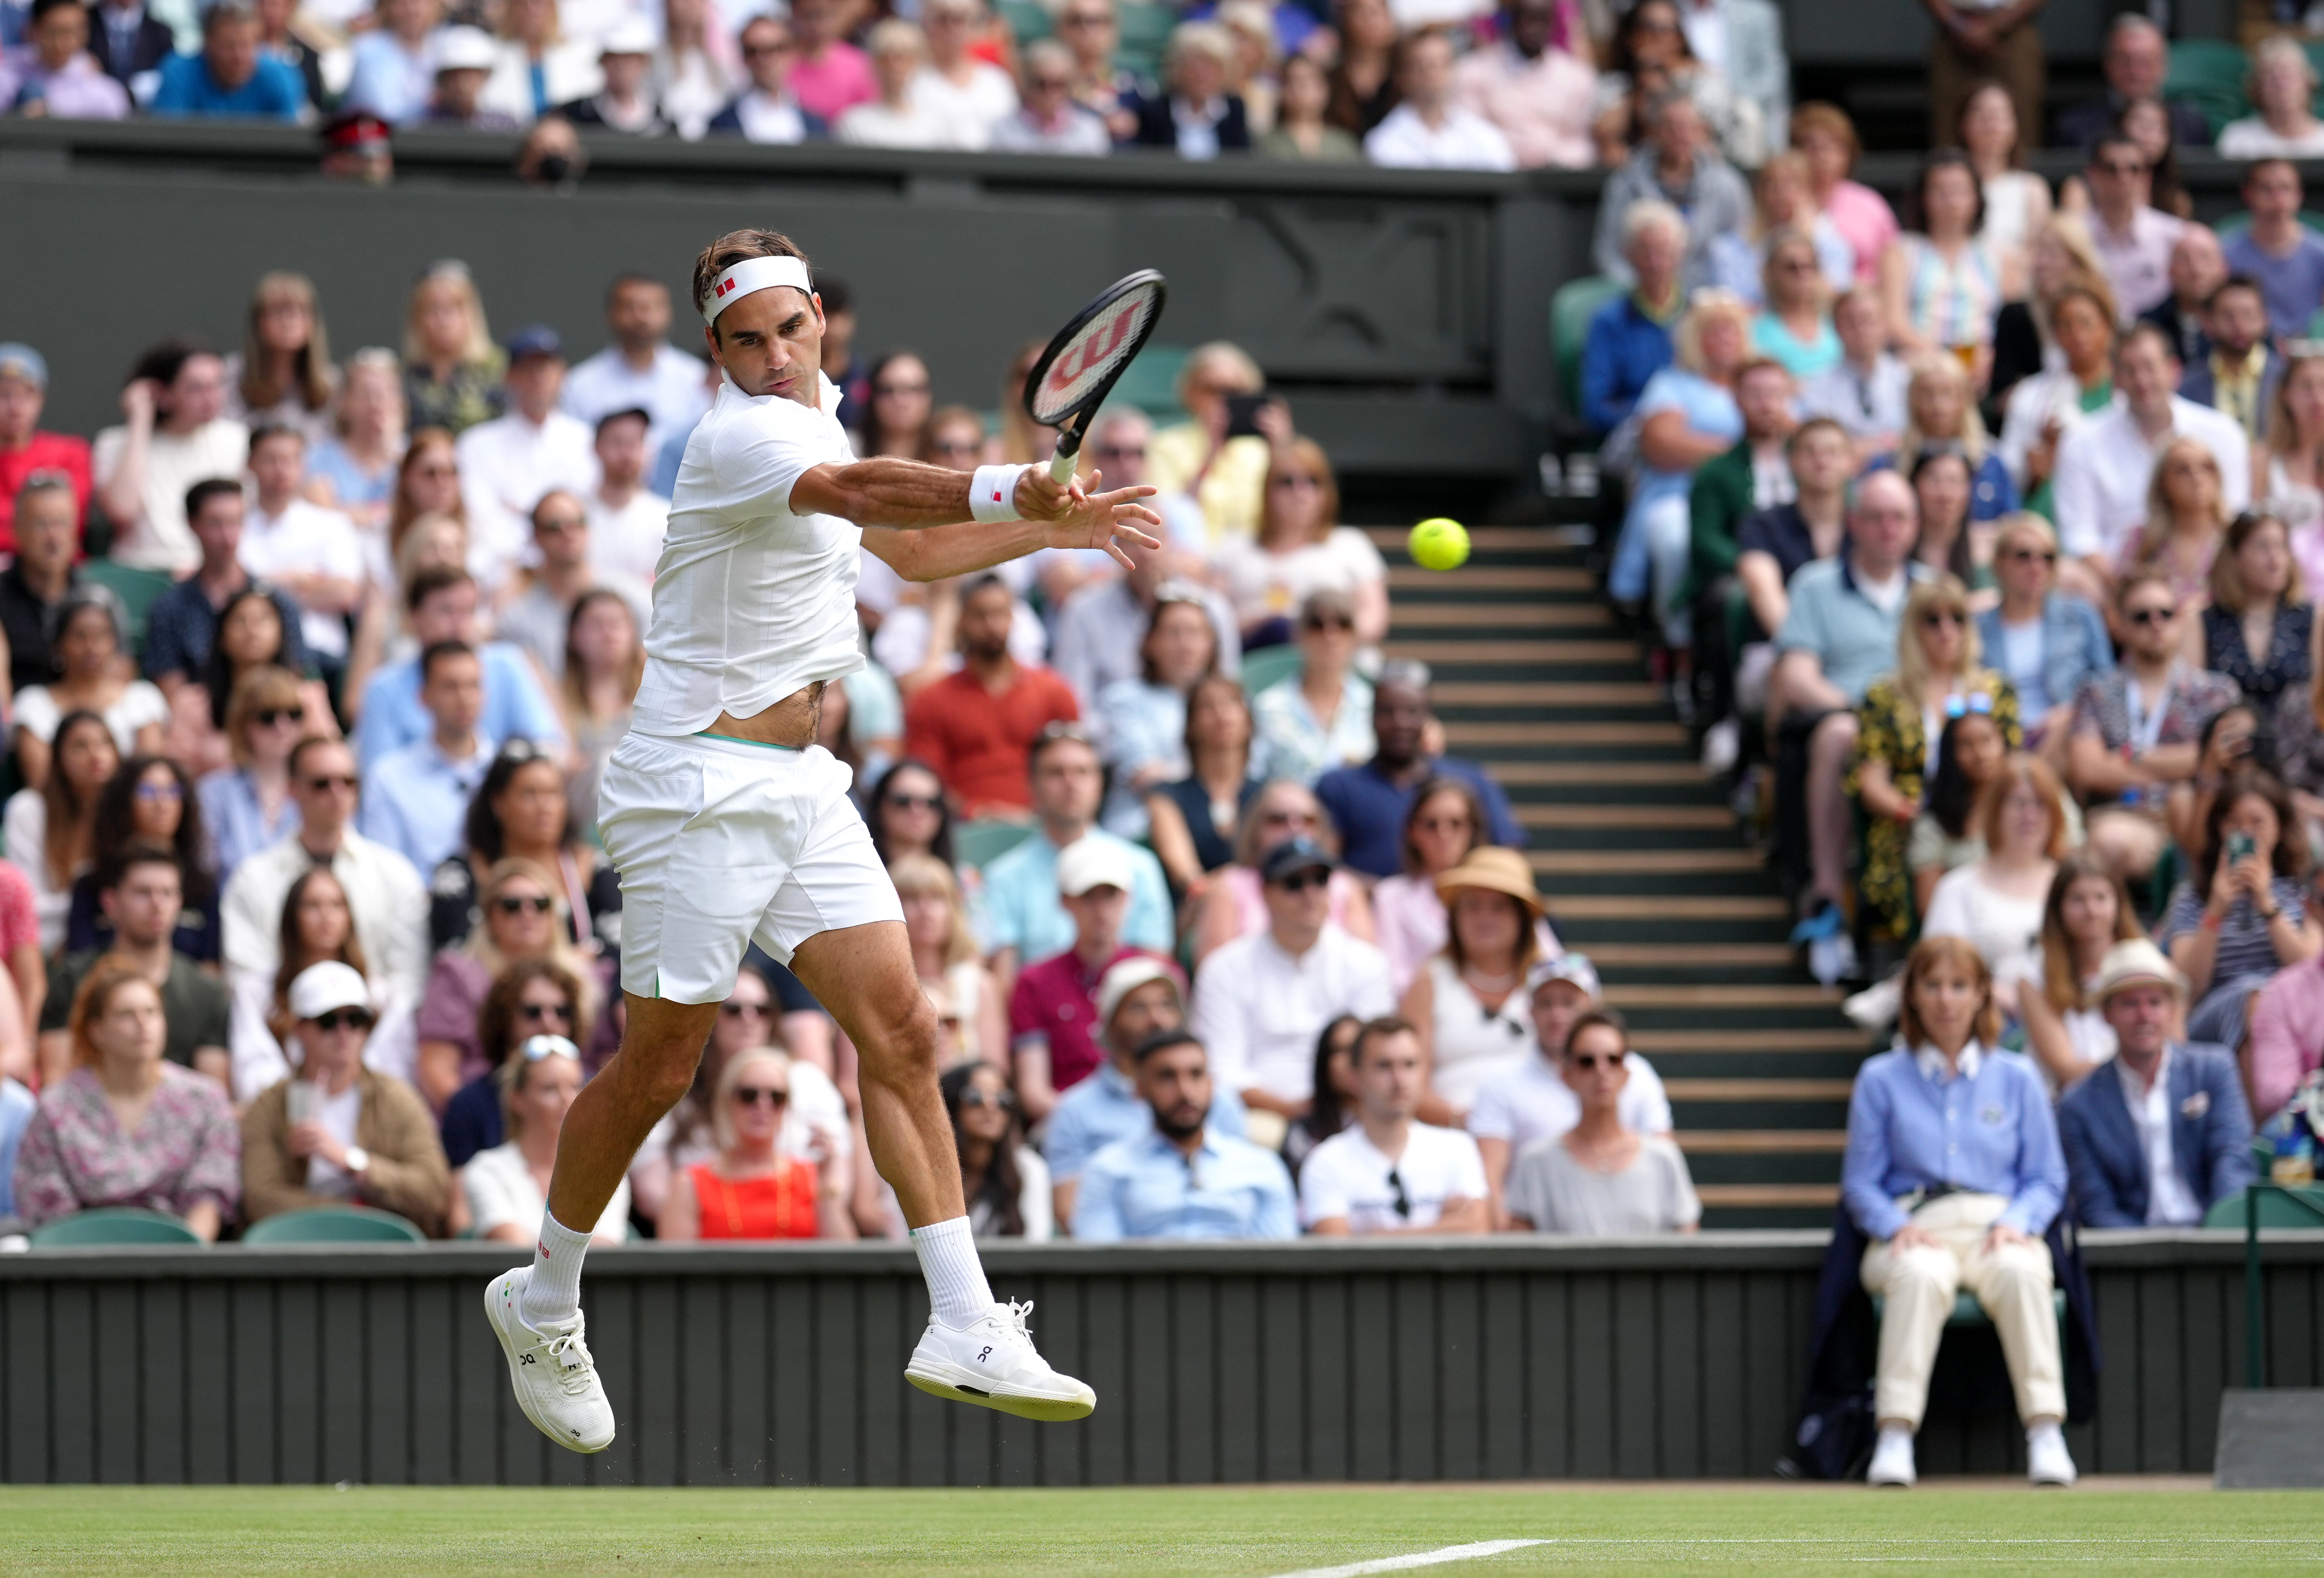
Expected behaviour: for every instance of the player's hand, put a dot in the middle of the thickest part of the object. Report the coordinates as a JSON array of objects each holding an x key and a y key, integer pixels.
[{"x": 1105, "y": 521}]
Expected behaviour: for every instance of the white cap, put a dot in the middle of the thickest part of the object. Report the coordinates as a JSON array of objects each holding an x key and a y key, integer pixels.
[
  {"x": 466, "y": 49},
  {"x": 1093, "y": 863},
  {"x": 1573, "y": 969},
  {"x": 320, "y": 988},
  {"x": 1127, "y": 977},
  {"x": 633, "y": 35}
]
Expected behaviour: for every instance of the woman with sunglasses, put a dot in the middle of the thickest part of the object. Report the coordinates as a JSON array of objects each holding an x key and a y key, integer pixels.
[
  {"x": 2262, "y": 632},
  {"x": 247, "y": 806},
  {"x": 523, "y": 921},
  {"x": 754, "y": 1188},
  {"x": 1194, "y": 821},
  {"x": 337, "y": 1132},
  {"x": 1321, "y": 717},
  {"x": 505, "y": 1188},
  {"x": 149, "y": 800},
  {"x": 252, "y": 634},
  {"x": 2044, "y": 644},
  {"x": 522, "y": 812},
  {"x": 1300, "y": 548},
  {"x": 1468, "y": 1002},
  {"x": 90, "y": 650},
  {"x": 1601, "y": 1178},
  {"x": 1232, "y": 902},
  {"x": 1445, "y": 823},
  {"x": 1004, "y": 1180},
  {"x": 531, "y": 997},
  {"x": 1902, "y": 715},
  {"x": 318, "y": 927},
  {"x": 909, "y": 814}
]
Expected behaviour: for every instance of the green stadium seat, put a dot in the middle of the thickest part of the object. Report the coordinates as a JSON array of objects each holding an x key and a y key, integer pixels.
[
  {"x": 980, "y": 843},
  {"x": 2209, "y": 74},
  {"x": 1027, "y": 19},
  {"x": 114, "y": 1224},
  {"x": 136, "y": 588},
  {"x": 1145, "y": 35},
  {"x": 1577, "y": 301},
  {"x": 1268, "y": 666},
  {"x": 335, "y": 1224},
  {"x": 2297, "y": 1206}
]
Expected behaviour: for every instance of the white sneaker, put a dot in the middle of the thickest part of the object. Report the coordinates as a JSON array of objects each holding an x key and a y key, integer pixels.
[
  {"x": 992, "y": 1363},
  {"x": 1892, "y": 1460},
  {"x": 1722, "y": 743},
  {"x": 2047, "y": 1462},
  {"x": 555, "y": 1379}
]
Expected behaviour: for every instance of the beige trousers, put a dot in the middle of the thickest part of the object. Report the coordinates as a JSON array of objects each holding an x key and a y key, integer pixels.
[{"x": 2012, "y": 1283}]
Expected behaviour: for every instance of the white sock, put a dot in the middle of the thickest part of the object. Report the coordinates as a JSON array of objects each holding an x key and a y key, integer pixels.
[
  {"x": 1891, "y": 1432},
  {"x": 2046, "y": 1431},
  {"x": 957, "y": 1291},
  {"x": 553, "y": 1296}
]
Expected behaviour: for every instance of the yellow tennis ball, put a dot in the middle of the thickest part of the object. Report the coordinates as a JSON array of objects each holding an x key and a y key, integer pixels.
[{"x": 1438, "y": 544}]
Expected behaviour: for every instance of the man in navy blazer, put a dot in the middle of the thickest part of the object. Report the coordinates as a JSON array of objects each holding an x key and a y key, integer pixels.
[{"x": 2159, "y": 1135}]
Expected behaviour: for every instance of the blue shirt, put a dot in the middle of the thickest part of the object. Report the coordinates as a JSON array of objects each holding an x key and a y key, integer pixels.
[
  {"x": 1019, "y": 908},
  {"x": 389, "y": 81},
  {"x": 1369, "y": 811},
  {"x": 238, "y": 826},
  {"x": 274, "y": 92},
  {"x": 1991, "y": 493},
  {"x": 1104, "y": 1107},
  {"x": 1140, "y": 1188},
  {"x": 514, "y": 707},
  {"x": 2291, "y": 285},
  {"x": 17, "y": 1106},
  {"x": 415, "y": 800},
  {"x": 1987, "y": 1128},
  {"x": 351, "y": 486},
  {"x": 1622, "y": 351},
  {"x": 1707, "y": 409},
  {"x": 1854, "y": 638}
]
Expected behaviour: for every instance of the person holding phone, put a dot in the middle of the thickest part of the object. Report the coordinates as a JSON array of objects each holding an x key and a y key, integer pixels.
[{"x": 2239, "y": 916}]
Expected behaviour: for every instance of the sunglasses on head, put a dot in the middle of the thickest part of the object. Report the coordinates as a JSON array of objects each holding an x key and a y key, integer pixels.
[
  {"x": 347, "y": 1018},
  {"x": 537, "y": 1011},
  {"x": 518, "y": 903},
  {"x": 1300, "y": 881},
  {"x": 2151, "y": 614},
  {"x": 1955, "y": 706},
  {"x": 752, "y": 1096}
]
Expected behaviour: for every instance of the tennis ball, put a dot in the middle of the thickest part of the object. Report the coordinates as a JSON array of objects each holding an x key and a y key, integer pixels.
[{"x": 1438, "y": 544}]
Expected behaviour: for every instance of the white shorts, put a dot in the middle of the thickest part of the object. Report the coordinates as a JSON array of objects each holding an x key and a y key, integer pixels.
[{"x": 721, "y": 843}]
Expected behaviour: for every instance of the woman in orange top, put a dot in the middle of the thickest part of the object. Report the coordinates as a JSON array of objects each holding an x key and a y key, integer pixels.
[{"x": 750, "y": 1191}]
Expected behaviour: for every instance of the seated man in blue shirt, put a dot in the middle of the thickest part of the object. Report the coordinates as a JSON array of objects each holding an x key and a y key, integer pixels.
[
  {"x": 415, "y": 798},
  {"x": 1368, "y": 803},
  {"x": 1135, "y": 998},
  {"x": 2158, "y": 1134},
  {"x": 1629, "y": 339},
  {"x": 441, "y": 606},
  {"x": 1954, "y": 1169},
  {"x": 233, "y": 75},
  {"x": 182, "y": 622},
  {"x": 1182, "y": 1178}
]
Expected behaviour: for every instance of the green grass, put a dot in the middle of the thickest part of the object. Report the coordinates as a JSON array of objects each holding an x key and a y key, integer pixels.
[{"x": 1249, "y": 1531}]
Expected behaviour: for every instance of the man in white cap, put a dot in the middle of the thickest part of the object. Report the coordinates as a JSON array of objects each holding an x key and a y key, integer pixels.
[
  {"x": 336, "y": 1132},
  {"x": 626, "y": 102},
  {"x": 2159, "y": 1134},
  {"x": 1140, "y": 996},
  {"x": 1528, "y": 1099},
  {"x": 1053, "y": 1008},
  {"x": 464, "y": 59}
]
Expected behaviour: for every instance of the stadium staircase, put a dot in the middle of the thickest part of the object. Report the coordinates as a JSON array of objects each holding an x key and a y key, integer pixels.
[{"x": 1641, "y": 864}]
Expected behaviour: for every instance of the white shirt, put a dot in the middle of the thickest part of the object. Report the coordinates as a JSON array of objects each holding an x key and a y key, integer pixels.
[
  {"x": 875, "y": 125},
  {"x": 261, "y": 1062},
  {"x": 339, "y": 1115},
  {"x": 1258, "y": 1011},
  {"x": 506, "y": 464},
  {"x": 500, "y": 1190},
  {"x": 159, "y": 539},
  {"x": 1468, "y": 1044},
  {"x": 625, "y": 544},
  {"x": 671, "y": 391},
  {"x": 2053, "y": 393},
  {"x": 1264, "y": 585},
  {"x": 389, "y": 900},
  {"x": 770, "y": 120},
  {"x": 2106, "y": 465},
  {"x": 2251, "y": 138},
  {"x": 140, "y": 703},
  {"x": 1465, "y": 140},
  {"x": 752, "y": 602},
  {"x": 967, "y": 112},
  {"x": 1347, "y": 1176},
  {"x": 2169, "y": 1202},
  {"x": 1865, "y": 403},
  {"x": 25, "y": 824},
  {"x": 1529, "y": 1100},
  {"x": 2005, "y": 931},
  {"x": 306, "y": 540}
]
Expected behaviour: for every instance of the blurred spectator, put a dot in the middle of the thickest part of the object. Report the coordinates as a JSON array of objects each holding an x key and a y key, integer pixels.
[
  {"x": 25, "y": 450},
  {"x": 967, "y": 96},
  {"x": 1944, "y": 285},
  {"x": 2045, "y": 643},
  {"x": 2287, "y": 1024},
  {"x": 1261, "y": 1000},
  {"x": 283, "y": 376},
  {"x": 1863, "y": 390},
  {"x": 1195, "y": 115},
  {"x": 1301, "y": 130},
  {"x": 1430, "y": 128},
  {"x": 316, "y": 926},
  {"x": 624, "y": 101},
  {"x": 1676, "y": 165},
  {"x": 1781, "y": 204},
  {"x": 1319, "y": 717},
  {"x": 42, "y": 574},
  {"x": 908, "y": 814},
  {"x": 1827, "y": 138},
  {"x": 17, "y": 1105},
  {"x": 2046, "y": 406},
  {"x": 416, "y": 797},
  {"x": 507, "y": 462},
  {"x": 1371, "y": 804},
  {"x": 252, "y": 633},
  {"x": 2134, "y": 239},
  {"x": 2135, "y": 62},
  {"x": 753, "y": 1189},
  {"x": 639, "y": 369},
  {"x": 48, "y": 830},
  {"x": 2239, "y": 375},
  {"x": 141, "y": 897},
  {"x": 1092, "y": 33},
  {"x": 975, "y": 724},
  {"x": 896, "y": 421},
  {"x": 354, "y": 469},
  {"x": 533, "y": 997},
  {"x": 388, "y": 902},
  {"x": 896, "y": 118},
  {"x": 1049, "y": 121},
  {"x": 442, "y": 607},
  {"x": 1193, "y": 820},
  {"x": 1996, "y": 900},
  {"x": 131, "y": 44},
  {"x": 2281, "y": 84},
  {"x": 521, "y": 811},
  {"x": 2238, "y": 915},
  {"x": 1939, "y": 411},
  {"x": 2159, "y": 1133},
  {"x": 182, "y": 626},
  {"x": 2087, "y": 913},
  {"x": 1686, "y": 415},
  {"x": 1941, "y": 489},
  {"x": 336, "y": 1132},
  {"x": 1773, "y": 544},
  {"x": 539, "y": 66},
  {"x": 1232, "y": 900},
  {"x": 175, "y": 435},
  {"x": 696, "y": 67},
  {"x": 604, "y": 658},
  {"x": 1604, "y": 1175},
  {"x": 1331, "y": 1109},
  {"x": 1363, "y": 78},
  {"x": 309, "y": 551},
  {"x": 451, "y": 368},
  {"x": 1003, "y": 1180},
  {"x": 1736, "y": 484},
  {"x": 465, "y": 58},
  {"x": 1102, "y": 625},
  {"x": 1300, "y": 548},
  {"x": 2278, "y": 249},
  {"x": 1053, "y": 1005},
  {"x": 1219, "y": 461},
  {"x": 1651, "y": 55},
  {"x": 1144, "y": 720},
  {"x": 394, "y": 66},
  {"x": 1022, "y": 920},
  {"x": 1182, "y": 1178},
  {"x": 971, "y": 1012},
  {"x": 523, "y": 920},
  {"x": 1989, "y": 121},
  {"x": 1467, "y": 1002},
  {"x": 506, "y": 1187},
  {"x": 92, "y": 670},
  {"x": 2258, "y": 604},
  {"x": 766, "y": 111},
  {"x": 1796, "y": 330},
  {"x": 53, "y": 72},
  {"x": 2199, "y": 266},
  {"x": 281, "y": 38},
  {"x": 627, "y": 524},
  {"x": 1535, "y": 91},
  {"x": 2226, "y": 749},
  {"x": 1260, "y": 32},
  {"x": 2285, "y": 469},
  {"x": 125, "y": 1126},
  {"x": 536, "y": 613},
  {"x": 1387, "y": 1173},
  {"x": 1743, "y": 41},
  {"x": 829, "y": 75},
  {"x": 1443, "y": 821},
  {"x": 149, "y": 800},
  {"x": 1629, "y": 338},
  {"x": 2106, "y": 465},
  {"x": 233, "y": 75}
]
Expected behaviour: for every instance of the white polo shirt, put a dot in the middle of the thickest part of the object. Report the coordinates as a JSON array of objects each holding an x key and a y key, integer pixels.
[
  {"x": 506, "y": 464},
  {"x": 2106, "y": 465},
  {"x": 306, "y": 540},
  {"x": 625, "y": 544},
  {"x": 1348, "y": 1176},
  {"x": 1465, "y": 140},
  {"x": 1529, "y": 1100},
  {"x": 1258, "y": 1011}
]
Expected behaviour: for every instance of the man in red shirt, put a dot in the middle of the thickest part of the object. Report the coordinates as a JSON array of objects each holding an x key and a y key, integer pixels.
[
  {"x": 23, "y": 448},
  {"x": 1053, "y": 1012},
  {"x": 975, "y": 726}
]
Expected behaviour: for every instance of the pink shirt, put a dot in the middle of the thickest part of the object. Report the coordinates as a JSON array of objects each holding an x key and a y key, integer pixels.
[
  {"x": 20, "y": 923},
  {"x": 1866, "y": 222},
  {"x": 2287, "y": 1035},
  {"x": 1541, "y": 105},
  {"x": 836, "y": 83}
]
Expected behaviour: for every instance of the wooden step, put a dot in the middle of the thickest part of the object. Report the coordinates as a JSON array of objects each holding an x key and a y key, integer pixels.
[
  {"x": 1759, "y": 1141},
  {"x": 1471, "y": 735},
  {"x": 1483, "y": 538},
  {"x": 1516, "y": 651},
  {"x": 1696, "y": 818},
  {"x": 1598, "y": 774},
  {"x": 1489, "y": 578},
  {"x": 1759, "y": 1090},
  {"x": 1405, "y": 616},
  {"x": 1553, "y": 863},
  {"x": 1547, "y": 693},
  {"x": 1648, "y": 906},
  {"x": 1735, "y": 1196},
  {"x": 1681, "y": 955},
  {"x": 1799, "y": 994},
  {"x": 1681, "y": 1043}
]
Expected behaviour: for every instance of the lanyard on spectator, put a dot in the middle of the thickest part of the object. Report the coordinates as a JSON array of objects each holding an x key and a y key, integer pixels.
[{"x": 2146, "y": 727}]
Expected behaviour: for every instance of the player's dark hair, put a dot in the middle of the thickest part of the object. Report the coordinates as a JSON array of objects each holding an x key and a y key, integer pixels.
[
  {"x": 731, "y": 248},
  {"x": 1162, "y": 1041}
]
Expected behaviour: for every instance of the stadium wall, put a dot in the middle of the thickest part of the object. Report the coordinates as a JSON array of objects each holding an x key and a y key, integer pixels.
[{"x": 1310, "y": 1362}]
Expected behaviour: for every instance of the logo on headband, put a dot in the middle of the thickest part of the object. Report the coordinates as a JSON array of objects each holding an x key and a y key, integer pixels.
[{"x": 724, "y": 286}]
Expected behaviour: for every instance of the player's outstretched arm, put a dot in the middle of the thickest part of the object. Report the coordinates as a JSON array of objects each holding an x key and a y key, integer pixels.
[
  {"x": 908, "y": 495},
  {"x": 1108, "y": 520}
]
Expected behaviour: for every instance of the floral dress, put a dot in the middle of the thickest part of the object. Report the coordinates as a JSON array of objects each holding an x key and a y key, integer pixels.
[
  {"x": 75, "y": 1156},
  {"x": 2277, "y": 690},
  {"x": 1891, "y": 729}
]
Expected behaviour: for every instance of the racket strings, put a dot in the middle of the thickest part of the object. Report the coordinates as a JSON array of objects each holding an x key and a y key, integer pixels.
[{"x": 1091, "y": 357}]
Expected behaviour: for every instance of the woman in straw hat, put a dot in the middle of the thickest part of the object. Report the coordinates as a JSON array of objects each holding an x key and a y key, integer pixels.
[{"x": 1468, "y": 1001}]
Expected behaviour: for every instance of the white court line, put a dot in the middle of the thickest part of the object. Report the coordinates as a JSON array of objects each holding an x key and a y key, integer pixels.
[{"x": 1491, "y": 1547}]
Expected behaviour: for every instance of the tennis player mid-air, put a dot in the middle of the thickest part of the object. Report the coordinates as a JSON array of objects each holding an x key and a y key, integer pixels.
[{"x": 729, "y": 823}]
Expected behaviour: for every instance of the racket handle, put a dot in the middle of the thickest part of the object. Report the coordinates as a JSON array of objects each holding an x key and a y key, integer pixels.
[{"x": 1061, "y": 466}]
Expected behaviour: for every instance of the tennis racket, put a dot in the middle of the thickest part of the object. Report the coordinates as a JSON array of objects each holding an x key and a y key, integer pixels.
[{"x": 1082, "y": 364}]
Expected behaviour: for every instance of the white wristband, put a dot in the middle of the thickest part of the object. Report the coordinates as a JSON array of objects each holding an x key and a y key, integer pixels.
[{"x": 992, "y": 492}]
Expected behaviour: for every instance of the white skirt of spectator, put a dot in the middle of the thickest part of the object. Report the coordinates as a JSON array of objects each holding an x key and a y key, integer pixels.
[{"x": 721, "y": 843}]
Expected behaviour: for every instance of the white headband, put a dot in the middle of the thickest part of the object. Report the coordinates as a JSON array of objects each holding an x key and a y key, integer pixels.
[{"x": 755, "y": 273}]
